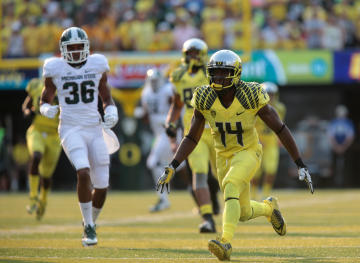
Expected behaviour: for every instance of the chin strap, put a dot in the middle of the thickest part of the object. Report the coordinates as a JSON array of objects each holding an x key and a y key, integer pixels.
[{"x": 216, "y": 86}]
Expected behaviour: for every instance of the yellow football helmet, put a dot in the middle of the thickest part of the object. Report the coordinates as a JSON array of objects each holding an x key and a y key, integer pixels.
[
  {"x": 198, "y": 45},
  {"x": 220, "y": 62}
]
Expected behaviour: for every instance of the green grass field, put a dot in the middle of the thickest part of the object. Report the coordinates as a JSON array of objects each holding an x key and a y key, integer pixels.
[{"x": 324, "y": 227}]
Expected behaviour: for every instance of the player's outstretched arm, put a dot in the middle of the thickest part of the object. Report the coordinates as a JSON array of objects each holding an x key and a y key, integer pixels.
[
  {"x": 111, "y": 114},
  {"x": 186, "y": 146},
  {"x": 269, "y": 115},
  {"x": 173, "y": 115},
  {"x": 47, "y": 96}
]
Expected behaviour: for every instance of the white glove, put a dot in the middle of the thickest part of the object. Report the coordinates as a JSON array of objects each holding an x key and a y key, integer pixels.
[
  {"x": 48, "y": 110},
  {"x": 165, "y": 178},
  {"x": 304, "y": 175},
  {"x": 110, "y": 117}
]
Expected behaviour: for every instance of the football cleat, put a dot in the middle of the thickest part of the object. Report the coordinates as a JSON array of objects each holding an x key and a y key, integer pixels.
[
  {"x": 40, "y": 209},
  {"x": 160, "y": 206},
  {"x": 89, "y": 236},
  {"x": 208, "y": 226},
  {"x": 276, "y": 219},
  {"x": 31, "y": 207},
  {"x": 220, "y": 250}
]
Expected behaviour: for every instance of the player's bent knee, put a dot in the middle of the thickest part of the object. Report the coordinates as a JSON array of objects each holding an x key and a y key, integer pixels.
[
  {"x": 246, "y": 214},
  {"x": 201, "y": 181},
  {"x": 100, "y": 178}
]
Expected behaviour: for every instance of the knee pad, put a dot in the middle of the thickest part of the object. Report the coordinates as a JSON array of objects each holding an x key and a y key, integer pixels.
[
  {"x": 100, "y": 176},
  {"x": 231, "y": 191},
  {"x": 200, "y": 181}
]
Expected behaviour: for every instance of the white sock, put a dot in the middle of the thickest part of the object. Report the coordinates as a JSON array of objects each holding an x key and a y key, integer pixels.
[
  {"x": 95, "y": 213},
  {"x": 86, "y": 211}
]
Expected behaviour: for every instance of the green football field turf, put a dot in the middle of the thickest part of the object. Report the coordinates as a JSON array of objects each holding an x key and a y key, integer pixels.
[{"x": 324, "y": 227}]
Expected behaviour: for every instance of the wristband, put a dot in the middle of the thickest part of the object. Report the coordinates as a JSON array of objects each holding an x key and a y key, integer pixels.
[
  {"x": 300, "y": 163},
  {"x": 281, "y": 129},
  {"x": 175, "y": 164}
]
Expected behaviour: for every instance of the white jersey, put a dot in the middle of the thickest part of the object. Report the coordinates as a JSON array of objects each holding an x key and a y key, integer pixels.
[
  {"x": 77, "y": 88},
  {"x": 157, "y": 105}
]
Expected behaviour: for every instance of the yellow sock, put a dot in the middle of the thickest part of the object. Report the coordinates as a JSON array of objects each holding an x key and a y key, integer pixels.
[
  {"x": 267, "y": 189},
  {"x": 43, "y": 194},
  {"x": 34, "y": 185},
  {"x": 260, "y": 209},
  {"x": 231, "y": 213},
  {"x": 206, "y": 209},
  {"x": 230, "y": 219}
]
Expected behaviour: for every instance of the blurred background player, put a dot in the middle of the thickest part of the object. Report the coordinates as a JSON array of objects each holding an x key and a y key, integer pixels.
[
  {"x": 189, "y": 75},
  {"x": 230, "y": 106},
  {"x": 79, "y": 78},
  {"x": 271, "y": 147},
  {"x": 341, "y": 134},
  {"x": 155, "y": 103},
  {"x": 44, "y": 147}
]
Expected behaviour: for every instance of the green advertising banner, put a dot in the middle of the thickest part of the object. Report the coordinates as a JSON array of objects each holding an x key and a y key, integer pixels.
[
  {"x": 290, "y": 67},
  {"x": 307, "y": 67}
]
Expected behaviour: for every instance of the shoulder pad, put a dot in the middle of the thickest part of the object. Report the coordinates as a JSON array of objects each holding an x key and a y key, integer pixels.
[
  {"x": 52, "y": 65},
  {"x": 100, "y": 61},
  {"x": 204, "y": 97},
  {"x": 248, "y": 94},
  {"x": 178, "y": 73}
]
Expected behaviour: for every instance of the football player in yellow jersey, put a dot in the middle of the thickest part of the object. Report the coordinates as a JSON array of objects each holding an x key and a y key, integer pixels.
[
  {"x": 270, "y": 143},
  {"x": 189, "y": 75},
  {"x": 230, "y": 107},
  {"x": 44, "y": 146}
]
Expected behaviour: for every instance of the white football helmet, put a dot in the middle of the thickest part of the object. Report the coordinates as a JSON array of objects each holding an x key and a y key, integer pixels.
[
  {"x": 224, "y": 60},
  {"x": 154, "y": 78},
  {"x": 270, "y": 87},
  {"x": 74, "y": 35}
]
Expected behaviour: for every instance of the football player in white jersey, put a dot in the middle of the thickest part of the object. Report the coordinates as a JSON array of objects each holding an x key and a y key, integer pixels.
[
  {"x": 78, "y": 78},
  {"x": 155, "y": 102}
]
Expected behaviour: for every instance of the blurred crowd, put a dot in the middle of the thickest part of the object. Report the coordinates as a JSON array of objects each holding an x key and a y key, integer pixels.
[{"x": 33, "y": 27}]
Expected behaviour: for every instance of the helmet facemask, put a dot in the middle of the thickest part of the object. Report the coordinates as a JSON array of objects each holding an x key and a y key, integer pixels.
[
  {"x": 222, "y": 77},
  {"x": 71, "y": 55}
]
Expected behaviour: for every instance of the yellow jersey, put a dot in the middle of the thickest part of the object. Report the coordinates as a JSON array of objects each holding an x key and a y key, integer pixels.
[
  {"x": 266, "y": 135},
  {"x": 232, "y": 128},
  {"x": 185, "y": 84},
  {"x": 42, "y": 123}
]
